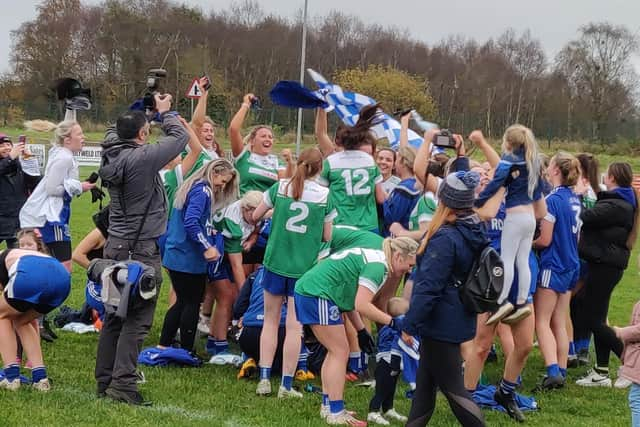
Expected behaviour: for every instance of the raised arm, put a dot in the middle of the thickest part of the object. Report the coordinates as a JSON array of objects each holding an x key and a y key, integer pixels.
[
  {"x": 489, "y": 153},
  {"x": 235, "y": 127},
  {"x": 325, "y": 144},
  {"x": 195, "y": 148},
  {"x": 404, "y": 129},
  {"x": 200, "y": 112},
  {"x": 421, "y": 164}
]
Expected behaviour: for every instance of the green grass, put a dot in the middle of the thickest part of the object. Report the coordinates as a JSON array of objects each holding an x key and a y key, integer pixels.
[{"x": 211, "y": 395}]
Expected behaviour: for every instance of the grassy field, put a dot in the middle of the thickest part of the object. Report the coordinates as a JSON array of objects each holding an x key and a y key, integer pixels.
[{"x": 211, "y": 395}]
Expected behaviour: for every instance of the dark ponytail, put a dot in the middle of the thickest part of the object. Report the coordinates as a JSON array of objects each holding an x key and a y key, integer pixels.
[
  {"x": 360, "y": 134},
  {"x": 309, "y": 164}
]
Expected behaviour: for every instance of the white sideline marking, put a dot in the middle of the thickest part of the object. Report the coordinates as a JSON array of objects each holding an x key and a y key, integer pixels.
[{"x": 190, "y": 414}]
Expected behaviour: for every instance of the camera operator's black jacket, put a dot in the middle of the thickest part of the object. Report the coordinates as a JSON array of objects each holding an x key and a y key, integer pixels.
[
  {"x": 13, "y": 194},
  {"x": 130, "y": 172}
]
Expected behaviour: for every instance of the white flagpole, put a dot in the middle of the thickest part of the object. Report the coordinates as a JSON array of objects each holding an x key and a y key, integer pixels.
[{"x": 303, "y": 55}]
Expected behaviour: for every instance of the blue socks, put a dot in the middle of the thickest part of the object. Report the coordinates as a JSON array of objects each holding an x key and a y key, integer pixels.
[
  {"x": 364, "y": 361},
  {"x": 553, "y": 370},
  {"x": 11, "y": 372},
  {"x": 336, "y": 406},
  {"x": 572, "y": 349},
  {"x": 354, "y": 362},
  {"x": 215, "y": 346},
  {"x": 507, "y": 387},
  {"x": 563, "y": 372},
  {"x": 38, "y": 374},
  {"x": 287, "y": 381},
  {"x": 265, "y": 373},
  {"x": 302, "y": 358},
  {"x": 580, "y": 345},
  {"x": 325, "y": 399}
]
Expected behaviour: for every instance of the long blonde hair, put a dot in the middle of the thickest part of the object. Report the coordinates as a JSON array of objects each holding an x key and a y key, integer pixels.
[
  {"x": 405, "y": 246},
  {"x": 519, "y": 136},
  {"x": 229, "y": 193},
  {"x": 443, "y": 215},
  {"x": 62, "y": 131}
]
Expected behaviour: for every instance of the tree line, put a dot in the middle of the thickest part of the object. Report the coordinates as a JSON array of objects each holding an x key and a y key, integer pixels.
[{"x": 587, "y": 92}]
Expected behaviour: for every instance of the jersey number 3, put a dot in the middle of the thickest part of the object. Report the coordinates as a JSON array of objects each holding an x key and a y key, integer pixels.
[
  {"x": 356, "y": 181},
  {"x": 293, "y": 223}
]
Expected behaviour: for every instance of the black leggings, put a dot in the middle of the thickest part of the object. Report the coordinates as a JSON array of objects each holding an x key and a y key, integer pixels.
[
  {"x": 441, "y": 368},
  {"x": 385, "y": 388},
  {"x": 249, "y": 342},
  {"x": 183, "y": 314},
  {"x": 590, "y": 308}
]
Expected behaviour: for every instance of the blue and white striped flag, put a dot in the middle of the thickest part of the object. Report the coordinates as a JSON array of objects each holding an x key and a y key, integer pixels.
[{"x": 347, "y": 106}]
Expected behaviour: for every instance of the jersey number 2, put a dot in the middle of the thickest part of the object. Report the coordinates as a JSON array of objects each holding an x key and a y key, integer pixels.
[
  {"x": 354, "y": 186},
  {"x": 293, "y": 223}
]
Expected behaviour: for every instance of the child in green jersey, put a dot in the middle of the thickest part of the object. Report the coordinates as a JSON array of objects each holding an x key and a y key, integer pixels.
[{"x": 302, "y": 219}]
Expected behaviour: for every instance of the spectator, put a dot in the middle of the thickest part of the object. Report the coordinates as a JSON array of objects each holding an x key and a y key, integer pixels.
[
  {"x": 129, "y": 170},
  {"x": 13, "y": 192}
]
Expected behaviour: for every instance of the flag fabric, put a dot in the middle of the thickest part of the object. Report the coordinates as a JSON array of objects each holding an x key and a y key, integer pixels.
[
  {"x": 292, "y": 94},
  {"x": 347, "y": 106}
]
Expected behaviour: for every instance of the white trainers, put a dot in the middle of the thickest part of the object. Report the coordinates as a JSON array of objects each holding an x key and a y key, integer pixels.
[
  {"x": 594, "y": 379},
  {"x": 504, "y": 310},
  {"x": 226, "y": 358},
  {"x": 325, "y": 410},
  {"x": 622, "y": 382},
  {"x": 203, "y": 324},
  {"x": 377, "y": 418},
  {"x": 264, "y": 388},
  {"x": 10, "y": 385},
  {"x": 391, "y": 414},
  {"x": 517, "y": 315},
  {"x": 283, "y": 393},
  {"x": 43, "y": 385},
  {"x": 344, "y": 418}
]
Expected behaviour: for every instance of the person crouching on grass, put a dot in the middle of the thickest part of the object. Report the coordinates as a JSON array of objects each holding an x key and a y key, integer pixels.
[{"x": 33, "y": 284}]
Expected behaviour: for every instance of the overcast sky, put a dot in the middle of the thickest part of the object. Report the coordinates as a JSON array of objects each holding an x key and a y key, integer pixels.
[{"x": 553, "y": 22}]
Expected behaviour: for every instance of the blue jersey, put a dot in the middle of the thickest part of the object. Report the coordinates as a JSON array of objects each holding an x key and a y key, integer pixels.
[
  {"x": 563, "y": 207},
  {"x": 494, "y": 228}
]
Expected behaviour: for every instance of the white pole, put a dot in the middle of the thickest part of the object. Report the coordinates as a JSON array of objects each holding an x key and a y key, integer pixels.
[{"x": 303, "y": 55}]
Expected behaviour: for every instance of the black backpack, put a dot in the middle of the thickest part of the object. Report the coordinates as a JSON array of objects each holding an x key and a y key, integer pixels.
[{"x": 480, "y": 291}]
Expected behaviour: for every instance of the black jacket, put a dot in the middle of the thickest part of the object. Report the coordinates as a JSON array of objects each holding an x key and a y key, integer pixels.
[
  {"x": 13, "y": 194},
  {"x": 130, "y": 173},
  {"x": 605, "y": 229}
]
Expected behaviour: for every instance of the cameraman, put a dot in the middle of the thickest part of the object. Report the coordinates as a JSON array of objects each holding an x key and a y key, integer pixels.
[{"x": 129, "y": 170}]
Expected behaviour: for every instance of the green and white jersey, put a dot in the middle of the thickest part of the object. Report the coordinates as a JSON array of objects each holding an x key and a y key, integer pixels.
[
  {"x": 296, "y": 227},
  {"x": 423, "y": 211},
  {"x": 347, "y": 237},
  {"x": 337, "y": 278},
  {"x": 589, "y": 198},
  {"x": 352, "y": 176},
  {"x": 172, "y": 179},
  {"x": 234, "y": 228},
  {"x": 203, "y": 158},
  {"x": 256, "y": 172}
]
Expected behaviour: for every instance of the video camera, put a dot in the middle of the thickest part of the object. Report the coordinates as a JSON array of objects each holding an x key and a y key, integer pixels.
[
  {"x": 70, "y": 91},
  {"x": 154, "y": 77}
]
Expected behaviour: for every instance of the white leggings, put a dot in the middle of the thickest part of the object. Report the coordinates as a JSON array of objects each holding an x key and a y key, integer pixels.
[{"x": 515, "y": 244}]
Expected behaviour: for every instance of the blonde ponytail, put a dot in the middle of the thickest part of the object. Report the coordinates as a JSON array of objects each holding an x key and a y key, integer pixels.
[{"x": 405, "y": 246}]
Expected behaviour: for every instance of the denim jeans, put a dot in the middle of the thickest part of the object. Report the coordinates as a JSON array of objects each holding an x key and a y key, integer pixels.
[{"x": 634, "y": 404}]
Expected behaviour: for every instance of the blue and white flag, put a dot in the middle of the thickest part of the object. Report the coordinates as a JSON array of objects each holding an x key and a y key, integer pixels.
[{"x": 347, "y": 106}]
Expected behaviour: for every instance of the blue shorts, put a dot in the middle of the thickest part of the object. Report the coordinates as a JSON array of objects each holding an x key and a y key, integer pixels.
[
  {"x": 276, "y": 284},
  {"x": 55, "y": 232},
  {"x": 559, "y": 282},
  {"x": 317, "y": 311},
  {"x": 223, "y": 273},
  {"x": 38, "y": 280}
]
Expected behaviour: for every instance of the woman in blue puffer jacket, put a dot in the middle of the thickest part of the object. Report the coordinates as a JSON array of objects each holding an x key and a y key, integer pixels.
[{"x": 455, "y": 237}]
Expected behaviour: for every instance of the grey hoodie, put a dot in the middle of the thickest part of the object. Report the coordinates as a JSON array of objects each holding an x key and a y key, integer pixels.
[{"x": 130, "y": 172}]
